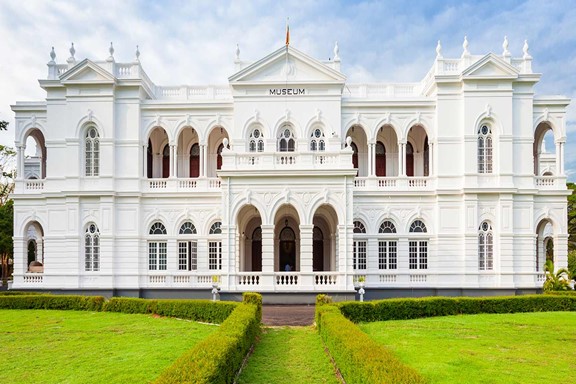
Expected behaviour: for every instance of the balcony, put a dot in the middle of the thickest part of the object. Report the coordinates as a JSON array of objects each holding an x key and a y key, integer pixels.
[
  {"x": 181, "y": 185},
  {"x": 341, "y": 160},
  {"x": 550, "y": 182},
  {"x": 396, "y": 183}
]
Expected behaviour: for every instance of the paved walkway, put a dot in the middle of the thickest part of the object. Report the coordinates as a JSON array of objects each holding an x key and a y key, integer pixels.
[{"x": 287, "y": 314}]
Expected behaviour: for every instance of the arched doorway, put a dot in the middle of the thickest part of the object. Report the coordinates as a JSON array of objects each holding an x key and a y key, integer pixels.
[
  {"x": 287, "y": 250},
  {"x": 417, "y": 156},
  {"x": 195, "y": 160},
  {"x": 34, "y": 247},
  {"x": 360, "y": 149},
  {"x": 215, "y": 146},
  {"x": 544, "y": 244},
  {"x": 317, "y": 249},
  {"x": 158, "y": 154},
  {"x": 544, "y": 150},
  {"x": 257, "y": 250},
  {"x": 380, "y": 159}
]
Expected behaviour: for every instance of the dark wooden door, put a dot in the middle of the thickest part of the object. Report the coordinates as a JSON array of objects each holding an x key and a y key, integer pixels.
[
  {"x": 257, "y": 255},
  {"x": 149, "y": 160},
  {"x": 318, "y": 257},
  {"x": 380, "y": 159},
  {"x": 409, "y": 160},
  {"x": 195, "y": 161},
  {"x": 166, "y": 162},
  {"x": 219, "y": 157}
]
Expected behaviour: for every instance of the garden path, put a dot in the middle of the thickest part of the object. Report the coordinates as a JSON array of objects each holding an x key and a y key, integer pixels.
[{"x": 276, "y": 315}]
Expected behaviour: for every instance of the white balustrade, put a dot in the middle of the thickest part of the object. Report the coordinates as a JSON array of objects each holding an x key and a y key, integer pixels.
[
  {"x": 34, "y": 185},
  {"x": 387, "y": 278},
  {"x": 214, "y": 183},
  {"x": 157, "y": 184},
  {"x": 286, "y": 279},
  {"x": 325, "y": 279},
  {"x": 417, "y": 182},
  {"x": 250, "y": 280},
  {"x": 155, "y": 279},
  {"x": 286, "y": 160},
  {"x": 33, "y": 279},
  {"x": 545, "y": 181},
  {"x": 418, "y": 278},
  {"x": 387, "y": 183},
  {"x": 187, "y": 183},
  {"x": 181, "y": 279}
]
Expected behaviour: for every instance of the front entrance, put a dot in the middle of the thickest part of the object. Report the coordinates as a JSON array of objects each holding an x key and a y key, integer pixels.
[{"x": 287, "y": 250}]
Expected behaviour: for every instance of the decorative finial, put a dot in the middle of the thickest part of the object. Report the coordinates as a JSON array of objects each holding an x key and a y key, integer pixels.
[
  {"x": 137, "y": 53},
  {"x": 52, "y": 54},
  {"x": 466, "y": 52},
  {"x": 336, "y": 52},
  {"x": 237, "y": 52},
  {"x": 506, "y": 52},
  {"x": 111, "y": 50},
  {"x": 438, "y": 50},
  {"x": 525, "y": 50},
  {"x": 72, "y": 52}
]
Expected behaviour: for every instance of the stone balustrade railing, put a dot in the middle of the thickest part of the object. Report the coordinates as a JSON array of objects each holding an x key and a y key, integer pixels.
[{"x": 286, "y": 160}]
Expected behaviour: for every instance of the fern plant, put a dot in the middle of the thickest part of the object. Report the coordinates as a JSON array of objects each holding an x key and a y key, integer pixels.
[{"x": 556, "y": 280}]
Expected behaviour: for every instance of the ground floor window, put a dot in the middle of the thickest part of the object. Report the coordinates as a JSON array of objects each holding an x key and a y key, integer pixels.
[
  {"x": 359, "y": 254},
  {"x": 214, "y": 255},
  {"x": 157, "y": 256},
  {"x": 387, "y": 254},
  {"x": 418, "y": 254},
  {"x": 187, "y": 256}
]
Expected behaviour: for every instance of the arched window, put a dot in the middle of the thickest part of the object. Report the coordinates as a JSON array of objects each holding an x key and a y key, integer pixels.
[
  {"x": 359, "y": 247},
  {"x": 286, "y": 139},
  {"x": 215, "y": 247},
  {"x": 157, "y": 249},
  {"x": 387, "y": 246},
  {"x": 418, "y": 249},
  {"x": 187, "y": 247},
  {"x": 485, "y": 247},
  {"x": 317, "y": 140},
  {"x": 256, "y": 142},
  {"x": 485, "y": 149},
  {"x": 92, "y": 152},
  {"x": 92, "y": 248}
]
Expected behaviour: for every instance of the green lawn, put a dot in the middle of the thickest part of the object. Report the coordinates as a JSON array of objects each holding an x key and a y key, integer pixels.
[
  {"x": 41, "y": 346},
  {"x": 511, "y": 348},
  {"x": 289, "y": 355}
]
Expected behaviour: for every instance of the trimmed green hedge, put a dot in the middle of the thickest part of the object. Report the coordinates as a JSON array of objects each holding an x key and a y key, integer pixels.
[
  {"x": 403, "y": 309},
  {"x": 197, "y": 310},
  {"x": 359, "y": 358},
  {"x": 561, "y": 293},
  {"x": 218, "y": 358},
  {"x": 62, "y": 302},
  {"x": 20, "y": 293}
]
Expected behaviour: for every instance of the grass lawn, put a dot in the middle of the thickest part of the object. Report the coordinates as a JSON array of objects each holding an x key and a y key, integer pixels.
[
  {"x": 289, "y": 355},
  {"x": 91, "y": 347},
  {"x": 509, "y": 348}
]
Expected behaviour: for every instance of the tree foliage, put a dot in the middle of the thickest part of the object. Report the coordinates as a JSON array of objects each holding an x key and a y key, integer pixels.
[{"x": 572, "y": 217}]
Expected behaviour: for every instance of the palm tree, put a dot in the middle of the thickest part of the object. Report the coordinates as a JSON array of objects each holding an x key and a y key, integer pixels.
[{"x": 556, "y": 281}]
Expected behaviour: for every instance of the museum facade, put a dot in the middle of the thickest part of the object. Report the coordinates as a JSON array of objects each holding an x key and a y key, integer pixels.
[{"x": 287, "y": 179}]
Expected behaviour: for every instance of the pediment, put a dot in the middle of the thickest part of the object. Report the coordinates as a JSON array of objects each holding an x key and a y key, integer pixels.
[
  {"x": 86, "y": 72},
  {"x": 490, "y": 66},
  {"x": 287, "y": 64}
]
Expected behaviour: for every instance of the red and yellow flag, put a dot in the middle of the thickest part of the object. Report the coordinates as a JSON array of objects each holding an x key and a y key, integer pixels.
[{"x": 287, "y": 33}]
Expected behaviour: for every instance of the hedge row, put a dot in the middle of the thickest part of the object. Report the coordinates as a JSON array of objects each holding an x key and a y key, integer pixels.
[
  {"x": 402, "y": 309},
  {"x": 197, "y": 310},
  {"x": 218, "y": 358},
  {"x": 20, "y": 293},
  {"x": 359, "y": 358},
  {"x": 561, "y": 293},
  {"x": 62, "y": 302}
]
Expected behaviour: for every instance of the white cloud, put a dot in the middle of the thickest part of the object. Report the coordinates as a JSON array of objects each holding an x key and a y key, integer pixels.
[{"x": 186, "y": 42}]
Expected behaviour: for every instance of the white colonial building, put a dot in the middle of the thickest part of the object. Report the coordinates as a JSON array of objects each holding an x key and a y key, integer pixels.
[{"x": 286, "y": 179}]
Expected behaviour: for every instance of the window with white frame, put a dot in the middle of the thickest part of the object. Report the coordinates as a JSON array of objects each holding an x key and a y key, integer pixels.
[
  {"x": 92, "y": 152},
  {"x": 215, "y": 248},
  {"x": 387, "y": 246},
  {"x": 317, "y": 140},
  {"x": 485, "y": 149},
  {"x": 92, "y": 248},
  {"x": 485, "y": 247},
  {"x": 256, "y": 141},
  {"x": 418, "y": 249},
  {"x": 359, "y": 246},
  {"x": 157, "y": 249},
  {"x": 187, "y": 247},
  {"x": 286, "y": 139}
]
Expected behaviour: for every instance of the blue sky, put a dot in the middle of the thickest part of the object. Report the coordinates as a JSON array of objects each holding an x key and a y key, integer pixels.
[{"x": 193, "y": 42}]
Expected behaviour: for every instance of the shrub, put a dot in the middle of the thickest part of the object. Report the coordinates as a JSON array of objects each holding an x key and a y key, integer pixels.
[
  {"x": 403, "y": 309},
  {"x": 256, "y": 299},
  {"x": 62, "y": 302},
  {"x": 197, "y": 310},
  {"x": 219, "y": 357},
  {"x": 572, "y": 263},
  {"x": 20, "y": 293},
  {"x": 359, "y": 358}
]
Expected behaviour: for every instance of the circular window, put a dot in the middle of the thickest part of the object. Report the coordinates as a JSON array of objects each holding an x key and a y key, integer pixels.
[
  {"x": 484, "y": 130},
  {"x": 484, "y": 226},
  {"x": 92, "y": 228},
  {"x": 256, "y": 133},
  {"x": 92, "y": 133},
  {"x": 317, "y": 133},
  {"x": 286, "y": 133}
]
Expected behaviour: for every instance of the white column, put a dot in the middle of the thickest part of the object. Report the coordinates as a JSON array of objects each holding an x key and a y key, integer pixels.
[
  {"x": 20, "y": 162},
  {"x": 371, "y": 159},
  {"x": 145, "y": 160},
  {"x": 431, "y": 159},
  {"x": 306, "y": 249},
  {"x": 561, "y": 159},
  {"x": 202, "y": 160},
  {"x": 267, "y": 248},
  {"x": 402, "y": 160},
  {"x": 172, "y": 152}
]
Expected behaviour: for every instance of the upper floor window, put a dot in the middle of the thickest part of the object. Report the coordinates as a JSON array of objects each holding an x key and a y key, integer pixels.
[
  {"x": 418, "y": 226},
  {"x": 157, "y": 249},
  {"x": 485, "y": 247},
  {"x": 286, "y": 140},
  {"x": 157, "y": 229},
  {"x": 317, "y": 140},
  {"x": 485, "y": 149},
  {"x": 92, "y": 248},
  {"x": 187, "y": 229},
  {"x": 359, "y": 227},
  {"x": 256, "y": 143},
  {"x": 359, "y": 247},
  {"x": 92, "y": 152},
  {"x": 216, "y": 229},
  {"x": 387, "y": 227}
]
